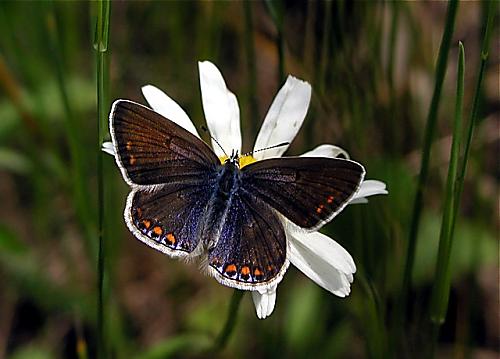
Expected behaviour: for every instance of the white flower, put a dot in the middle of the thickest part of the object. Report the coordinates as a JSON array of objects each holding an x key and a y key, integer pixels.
[{"x": 318, "y": 256}]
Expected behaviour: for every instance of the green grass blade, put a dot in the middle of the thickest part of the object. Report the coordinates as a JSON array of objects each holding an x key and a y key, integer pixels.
[
  {"x": 101, "y": 46},
  {"x": 424, "y": 166},
  {"x": 101, "y": 35},
  {"x": 477, "y": 94},
  {"x": 440, "y": 292}
]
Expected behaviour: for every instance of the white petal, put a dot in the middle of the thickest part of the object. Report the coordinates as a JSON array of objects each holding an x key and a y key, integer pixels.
[
  {"x": 369, "y": 188},
  {"x": 284, "y": 118},
  {"x": 165, "y": 106},
  {"x": 257, "y": 302},
  {"x": 264, "y": 301},
  {"x": 326, "y": 151},
  {"x": 361, "y": 200},
  {"x": 323, "y": 247},
  {"x": 108, "y": 148},
  {"x": 323, "y": 260},
  {"x": 221, "y": 109}
]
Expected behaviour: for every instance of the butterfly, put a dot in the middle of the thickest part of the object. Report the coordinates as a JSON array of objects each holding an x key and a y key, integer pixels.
[{"x": 187, "y": 203}]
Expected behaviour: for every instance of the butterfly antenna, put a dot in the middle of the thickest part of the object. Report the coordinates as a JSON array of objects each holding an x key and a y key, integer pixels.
[
  {"x": 266, "y": 148},
  {"x": 213, "y": 138}
]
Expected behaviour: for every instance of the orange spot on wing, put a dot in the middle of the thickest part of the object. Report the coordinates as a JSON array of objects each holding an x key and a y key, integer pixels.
[
  {"x": 129, "y": 145},
  {"x": 158, "y": 231},
  {"x": 230, "y": 269},
  {"x": 269, "y": 267},
  {"x": 245, "y": 270},
  {"x": 257, "y": 272},
  {"x": 146, "y": 223},
  {"x": 171, "y": 238},
  {"x": 132, "y": 159},
  {"x": 320, "y": 208},
  {"x": 330, "y": 199}
]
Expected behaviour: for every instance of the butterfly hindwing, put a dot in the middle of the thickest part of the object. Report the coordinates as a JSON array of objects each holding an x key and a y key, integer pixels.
[
  {"x": 251, "y": 250},
  {"x": 169, "y": 218},
  {"x": 152, "y": 150},
  {"x": 309, "y": 191}
]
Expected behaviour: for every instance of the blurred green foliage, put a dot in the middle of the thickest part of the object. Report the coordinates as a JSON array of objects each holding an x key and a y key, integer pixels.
[{"x": 371, "y": 66}]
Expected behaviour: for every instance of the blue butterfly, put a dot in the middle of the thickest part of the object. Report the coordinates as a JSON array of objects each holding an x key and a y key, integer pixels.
[{"x": 185, "y": 203}]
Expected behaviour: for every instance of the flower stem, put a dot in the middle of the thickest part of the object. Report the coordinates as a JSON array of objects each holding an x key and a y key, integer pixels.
[
  {"x": 101, "y": 46},
  {"x": 223, "y": 337},
  {"x": 429, "y": 135}
]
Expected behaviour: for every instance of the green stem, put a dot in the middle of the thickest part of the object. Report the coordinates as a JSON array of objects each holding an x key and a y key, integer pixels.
[
  {"x": 440, "y": 293},
  {"x": 429, "y": 135},
  {"x": 101, "y": 46},
  {"x": 477, "y": 95},
  {"x": 223, "y": 337},
  {"x": 443, "y": 282}
]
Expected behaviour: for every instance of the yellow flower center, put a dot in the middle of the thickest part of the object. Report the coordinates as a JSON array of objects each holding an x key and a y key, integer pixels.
[
  {"x": 246, "y": 160},
  {"x": 243, "y": 161}
]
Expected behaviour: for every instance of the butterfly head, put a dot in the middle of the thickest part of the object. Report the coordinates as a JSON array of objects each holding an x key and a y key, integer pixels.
[
  {"x": 234, "y": 159},
  {"x": 241, "y": 161}
]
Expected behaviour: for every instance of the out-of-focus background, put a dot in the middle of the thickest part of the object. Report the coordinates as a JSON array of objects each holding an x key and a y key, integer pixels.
[{"x": 372, "y": 68}]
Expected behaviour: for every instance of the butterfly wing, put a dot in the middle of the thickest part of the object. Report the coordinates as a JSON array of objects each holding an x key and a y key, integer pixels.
[
  {"x": 309, "y": 191},
  {"x": 169, "y": 218},
  {"x": 251, "y": 250},
  {"x": 172, "y": 174},
  {"x": 151, "y": 150}
]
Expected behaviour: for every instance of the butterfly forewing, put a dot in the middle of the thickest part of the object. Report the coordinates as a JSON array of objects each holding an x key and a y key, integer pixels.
[
  {"x": 251, "y": 249},
  {"x": 152, "y": 150},
  {"x": 309, "y": 191}
]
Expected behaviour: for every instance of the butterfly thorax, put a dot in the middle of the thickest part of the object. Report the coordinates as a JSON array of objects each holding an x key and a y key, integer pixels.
[{"x": 228, "y": 178}]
